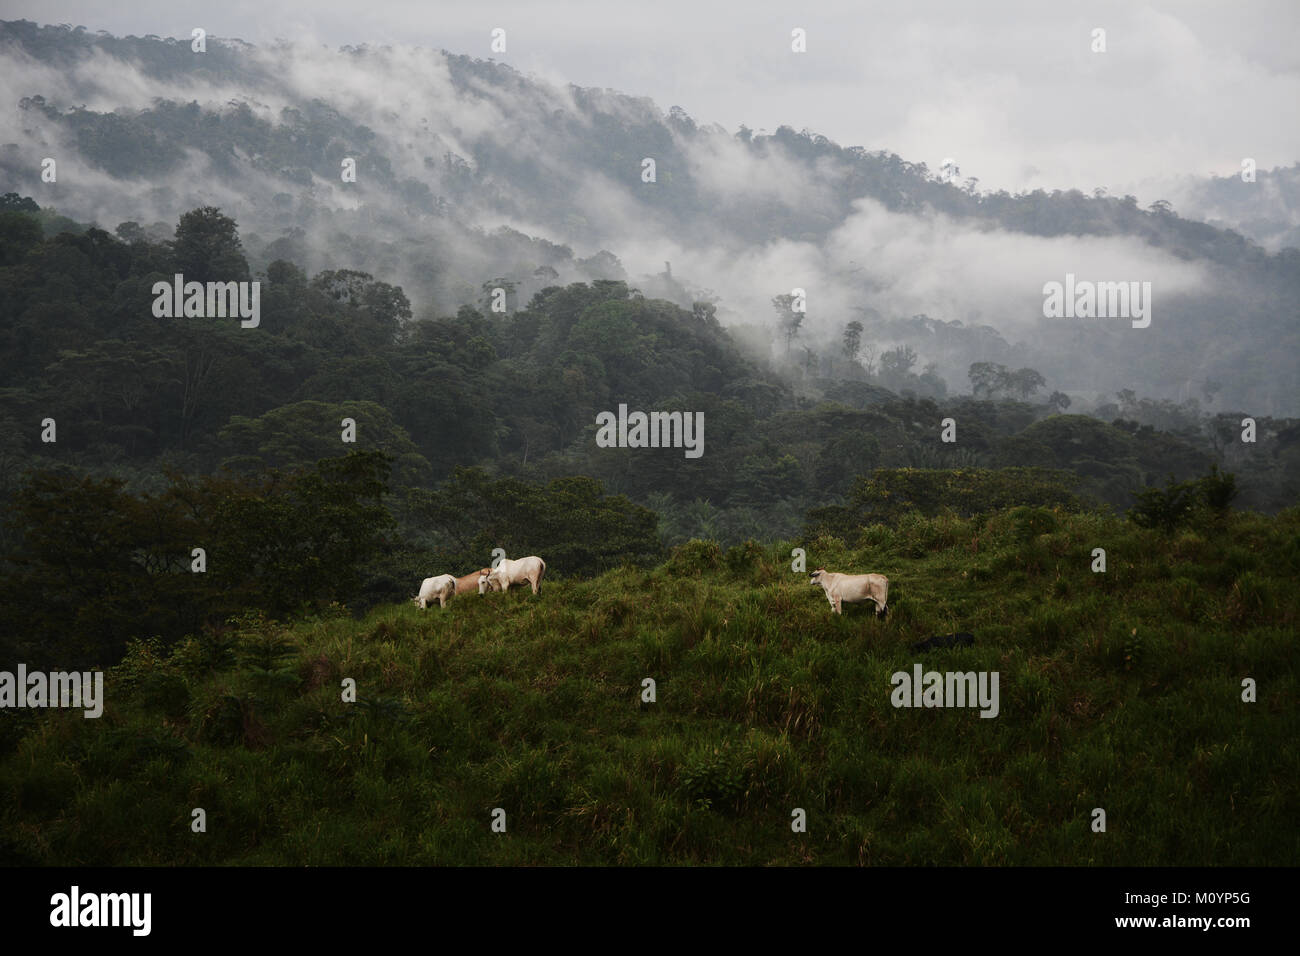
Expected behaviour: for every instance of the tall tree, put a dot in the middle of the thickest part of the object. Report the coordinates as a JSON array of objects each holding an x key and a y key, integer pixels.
[
  {"x": 987, "y": 379},
  {"x": 898, "y": 361},
  {"x": 1025, "y": 381},
  {"x": 788, "y": 320},
  {"x": 852, "y": 340},
  {"x": 207, "y": 247}
]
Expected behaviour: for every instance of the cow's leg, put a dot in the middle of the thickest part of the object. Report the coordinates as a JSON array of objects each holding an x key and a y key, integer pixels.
[
  {"x": 537, "y": 584},
  {"x": 838, "y": 606}
]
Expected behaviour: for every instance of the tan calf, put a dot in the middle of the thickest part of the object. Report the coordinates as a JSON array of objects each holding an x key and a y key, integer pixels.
[{"x": 469, "y": 583}]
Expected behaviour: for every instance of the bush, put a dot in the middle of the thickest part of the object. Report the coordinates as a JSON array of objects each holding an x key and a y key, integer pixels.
[
  {"x": 1175, "y": 504},
  {"x": 744, "y": 558},
  {"x": 715, "y": 778},
  {"x": 695, "y": 557},
  {"x": 1217, "y": 490},
  {"x": 825, "y": 551},
  {"x": 1164, "y": 509},
  {"x": 1030, "y": 522}
]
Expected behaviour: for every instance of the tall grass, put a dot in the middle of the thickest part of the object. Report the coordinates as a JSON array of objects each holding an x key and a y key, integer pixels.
[{"x": 1119, "y": 690}]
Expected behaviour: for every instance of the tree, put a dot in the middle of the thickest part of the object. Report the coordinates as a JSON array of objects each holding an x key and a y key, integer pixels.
[
  {"x": 301, "y": 539},
  {"x": 1217, "y": 490},
  {"x": 207, "y": 247},
  {"x": 1059, "y": 401},
  {"x": 1165, "y": 508},
  {"x": 369, "y": 314},
  {"x": 869, "y": 358},
  {"x": 932, "y": 381},
  {"x": 843, "y": 459},
  {"x": 899, "y": 361},
  {"x": 986, "y": 378},
  {"x": 852, "y": 340},
  {"x": 19, "y": 232},
  {"x": 1221, "y": 431},
  {"x": 1025, "y": 381},
  {"x": 16, "y": 203},
  {"x": 765, "y": 477},
  {"x": 788, "y": 320},
  {"x": 302, "y": 433},
  {"x": 131, "y": 232}
]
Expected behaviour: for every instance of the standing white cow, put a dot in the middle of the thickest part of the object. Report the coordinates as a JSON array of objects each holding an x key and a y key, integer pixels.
[
  {"x": 514, "y": 571},
  {"x": 853, "y": 589},
  {"x": 439, "y": 588}
]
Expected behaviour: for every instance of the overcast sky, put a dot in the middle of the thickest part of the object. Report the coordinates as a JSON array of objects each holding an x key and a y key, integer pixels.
[{"x": 1011, "y": 90}]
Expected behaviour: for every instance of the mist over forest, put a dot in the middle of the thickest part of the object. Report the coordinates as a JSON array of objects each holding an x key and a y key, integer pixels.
[{"x": 469, "y": 173}]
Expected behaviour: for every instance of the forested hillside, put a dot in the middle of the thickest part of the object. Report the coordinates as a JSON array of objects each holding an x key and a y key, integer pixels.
[
  {"x": 469, "y": 174},
  {"x": 484, "y": 426}
]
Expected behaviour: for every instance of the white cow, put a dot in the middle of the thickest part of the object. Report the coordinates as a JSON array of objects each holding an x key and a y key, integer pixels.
[
  {"x": 853, "y": 589},
  {"x": 440, "y": 589},
  {"x": 514, "y": 571}
]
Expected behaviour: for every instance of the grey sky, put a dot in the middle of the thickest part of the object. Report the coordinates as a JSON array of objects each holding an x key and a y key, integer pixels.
[{"x": 1009, "y": 89}]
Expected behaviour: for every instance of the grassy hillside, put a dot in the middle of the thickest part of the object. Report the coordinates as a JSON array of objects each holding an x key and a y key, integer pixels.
[{"x": 1119, "y": 690}]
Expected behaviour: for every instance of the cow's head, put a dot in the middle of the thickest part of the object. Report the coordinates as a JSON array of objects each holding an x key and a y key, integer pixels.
[
  {"x": 417, "y": 602},
  {"x": 816, "y": 576},
  {"x": 484, "y": 580}
]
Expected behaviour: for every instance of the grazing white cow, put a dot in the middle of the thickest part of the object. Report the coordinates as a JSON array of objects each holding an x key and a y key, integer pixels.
[
  {"x": 435, "y": 589},
  {"x": 853, "y": 589},
  {"x": 513, "y": 571}
]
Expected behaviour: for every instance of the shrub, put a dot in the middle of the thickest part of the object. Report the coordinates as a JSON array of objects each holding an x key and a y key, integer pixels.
[
  {"x": 715, "y": 777},
  {"x": 745, "y": 557},
  {"x": 1029, "y": 522},
  {"x": 1175, "y": 504},
  {"x": 1217, "y": 490},
  {"x": 1164, "y": 509},
  {"x": 695, "y": 557}
]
